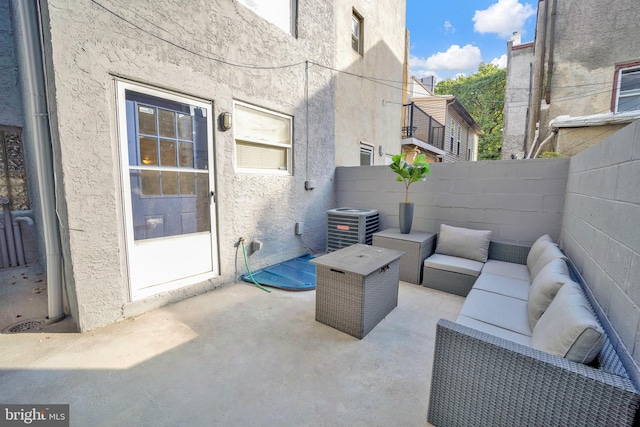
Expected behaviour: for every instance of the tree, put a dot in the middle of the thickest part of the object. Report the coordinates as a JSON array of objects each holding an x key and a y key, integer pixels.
[{"x": 482, "y": 94}]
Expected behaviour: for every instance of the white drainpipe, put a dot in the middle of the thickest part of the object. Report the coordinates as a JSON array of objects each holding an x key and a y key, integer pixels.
[
  {"x": 38, "y": 140},
  {"x": 3, "y": 247}
]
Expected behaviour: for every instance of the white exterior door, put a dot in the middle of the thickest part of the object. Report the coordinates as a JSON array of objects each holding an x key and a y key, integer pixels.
[{"x": 166, "y": 146}]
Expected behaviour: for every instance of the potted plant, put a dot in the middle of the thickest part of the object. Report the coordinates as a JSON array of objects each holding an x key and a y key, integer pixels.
[{"x": 408, "y": 173}]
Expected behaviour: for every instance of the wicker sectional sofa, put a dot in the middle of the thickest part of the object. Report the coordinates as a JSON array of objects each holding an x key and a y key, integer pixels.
[{"x": 528, "y": 348}]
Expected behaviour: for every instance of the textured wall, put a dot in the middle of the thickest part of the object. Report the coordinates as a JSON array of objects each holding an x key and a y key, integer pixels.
[
  {"x": 516, "y": 99},
  {"x": 601, "y": 230},
  {"x": 366, "y": 110},
  {"x": 87, "y": 46},
  {"x": 519, "y": 200},
  {"x": 10, "y": 105}
]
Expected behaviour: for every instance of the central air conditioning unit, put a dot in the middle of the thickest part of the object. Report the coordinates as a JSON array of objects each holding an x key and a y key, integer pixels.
[{"x": 348, "y": 226}]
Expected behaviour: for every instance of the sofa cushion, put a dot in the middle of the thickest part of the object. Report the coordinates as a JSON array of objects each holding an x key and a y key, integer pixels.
[
  {"x": 536, "y": 250},
  {"x": 503, "y": 285},
  {"x": 454, "y": 264},
  {"x": 464, "y": 242},
  {"x": 498, "y": 310},
  {"x": 496, "y": 331},
  {"x": 544, "y": 288},
  {"x": 507, "y": 269},
  {"x": 568, "y": 328},
  {"x": 550, "y": 252}
]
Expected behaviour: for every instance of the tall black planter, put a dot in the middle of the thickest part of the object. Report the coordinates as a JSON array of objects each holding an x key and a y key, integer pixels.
[{"x": 406, "y": 217}]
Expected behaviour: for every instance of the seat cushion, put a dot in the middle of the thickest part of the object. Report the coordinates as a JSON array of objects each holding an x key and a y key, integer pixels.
[
  {"x": 496, "y": 331},
  {"x": 508, "y": 269},
  {"x": 568, "y": 328},
  {"x": 549, "y": 253},
  {"x": 454, "y": 264},
  {"x": 503, "y": 285},
  {"x": 536, "y": 249},
  {"x": 498, "y": 310},
  {"x": 544, "y": 288},
  {"x": 464, "y": 242}
]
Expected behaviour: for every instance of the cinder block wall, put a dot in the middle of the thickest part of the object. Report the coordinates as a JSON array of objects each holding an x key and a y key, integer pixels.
[
  {"x": 518, "y": 200},
  {"x": 601, "y": 228}
]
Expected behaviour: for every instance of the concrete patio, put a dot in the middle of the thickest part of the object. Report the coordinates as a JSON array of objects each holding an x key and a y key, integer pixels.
[{"x": 236, "y": 356}]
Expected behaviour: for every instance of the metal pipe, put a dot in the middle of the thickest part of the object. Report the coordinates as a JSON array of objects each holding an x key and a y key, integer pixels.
[
  {"x": 552, "y": 42},
  {"x": 18, "y": 237},
  {"x": 547, "y": 139},
  {"x": 9, "y": 235},
  {"x": 3, "y": 247},
  {"x": 38, "y": 140}
]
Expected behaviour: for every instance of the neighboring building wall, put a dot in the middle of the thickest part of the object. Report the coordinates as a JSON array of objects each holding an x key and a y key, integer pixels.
[
  {"x": 516, "y": 100},
  {"x": 87, "y": 46},
  {"x": 518, "y": 200},
  {"x": 601, "y": 230},
  {"x": 578, "y": 79},
  {"x": 368, "y": 111},
  {"x": 436, "y": 107}
]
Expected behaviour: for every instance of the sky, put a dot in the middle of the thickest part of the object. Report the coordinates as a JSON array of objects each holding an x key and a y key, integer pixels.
[{"x": 452, "y": 37}]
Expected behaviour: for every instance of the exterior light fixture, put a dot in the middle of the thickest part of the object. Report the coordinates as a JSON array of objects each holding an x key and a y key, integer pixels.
[{"x": 225, "y": 120}]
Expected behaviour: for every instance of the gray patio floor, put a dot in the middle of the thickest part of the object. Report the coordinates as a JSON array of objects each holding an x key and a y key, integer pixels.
[{"x": 236, "y": 356}]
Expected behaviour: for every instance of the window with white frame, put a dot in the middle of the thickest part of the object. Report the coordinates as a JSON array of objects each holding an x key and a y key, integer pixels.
[
  {"x": 452, "y": 132},
  {"x": 458, "y": 140},
  {"x": 366, "y": 154},
  {"x": 281, "y": 13},
  {"x": 263, "y": 139},
  {"x": 357, "y": 32},
  {"x": 628, "y": 93}
]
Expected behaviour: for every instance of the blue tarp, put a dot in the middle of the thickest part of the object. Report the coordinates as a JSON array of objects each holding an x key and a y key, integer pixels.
[{"x": 293, "y": 275}]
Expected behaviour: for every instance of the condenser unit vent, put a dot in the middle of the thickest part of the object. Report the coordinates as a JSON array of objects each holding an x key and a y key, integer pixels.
[{"x": 348, "y": 226}]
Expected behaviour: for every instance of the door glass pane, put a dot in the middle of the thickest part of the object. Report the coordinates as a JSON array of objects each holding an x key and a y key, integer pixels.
[
  {"x": 150, "y": 183},
  {"x": 167, "y": 152},
  {"x": 187, "y": 183},
  {"x": 148, "y": 151},
  {"x": 186, "y": 155},
  {"x": 167, "y": 122},
  {"x": 169, "y": 183},
  {"x": 185, "y": 127},
  {"x": 147, "y": 119}
]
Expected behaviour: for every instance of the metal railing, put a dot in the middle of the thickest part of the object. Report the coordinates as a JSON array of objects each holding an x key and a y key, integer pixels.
[{"x": 418, "y": 124}]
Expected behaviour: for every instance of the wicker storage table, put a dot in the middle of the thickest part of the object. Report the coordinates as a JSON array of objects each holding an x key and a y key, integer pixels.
[
  {"x": 418, "y": 245},
  {"x": 356, "y": 287}
]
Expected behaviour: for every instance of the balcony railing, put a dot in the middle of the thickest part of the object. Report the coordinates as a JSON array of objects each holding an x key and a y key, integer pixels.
[{"x": 418, "y": 124}]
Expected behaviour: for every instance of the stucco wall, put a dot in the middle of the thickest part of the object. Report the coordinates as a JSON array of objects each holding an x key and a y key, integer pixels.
[
  {"x": 518, "y": 200},
  {"x": 516, "y": 99},
  {"x": 88, "y": 46},
  {"x": 601, "y": 230},
  {"x": 368, "y": 110},
  {"x": 10, "y": 104}
]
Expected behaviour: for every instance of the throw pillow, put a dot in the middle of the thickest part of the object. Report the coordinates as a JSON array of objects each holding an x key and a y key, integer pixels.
[{"x": 464, "y": 243}]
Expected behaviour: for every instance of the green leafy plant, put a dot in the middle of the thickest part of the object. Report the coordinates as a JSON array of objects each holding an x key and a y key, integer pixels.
[{"x": 409, "y": 173}]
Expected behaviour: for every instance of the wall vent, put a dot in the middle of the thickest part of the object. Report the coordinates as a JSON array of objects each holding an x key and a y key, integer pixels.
[{"x": 348, "y": 226}]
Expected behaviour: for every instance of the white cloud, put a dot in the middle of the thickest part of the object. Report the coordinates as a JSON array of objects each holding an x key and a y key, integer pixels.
[
  {"x": 500, "y": 62},
  {"x": 456, "y": 58},
  {"x": 448, "y": 28},
  {"x": 503, "y": 18}
]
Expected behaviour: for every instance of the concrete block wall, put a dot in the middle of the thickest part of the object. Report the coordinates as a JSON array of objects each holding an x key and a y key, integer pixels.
[
  {"x": 518, "y": 200},
  {"x": 601, "y": 228}
]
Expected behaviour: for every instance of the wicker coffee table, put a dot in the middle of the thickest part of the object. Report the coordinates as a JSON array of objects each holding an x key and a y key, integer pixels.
[{"x": 356, "y": 287}]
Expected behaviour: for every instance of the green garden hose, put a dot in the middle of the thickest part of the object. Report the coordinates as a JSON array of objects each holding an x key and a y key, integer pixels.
[{"x": 246, "y": 262}]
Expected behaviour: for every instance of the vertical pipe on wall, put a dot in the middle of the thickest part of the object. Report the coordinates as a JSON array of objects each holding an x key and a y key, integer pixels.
[
  {"x": 3, "y": 247},
  {"x": 6, "y": 210},
  {"x": 18, "y": 237},
  {"x": 38, "y": 139}
]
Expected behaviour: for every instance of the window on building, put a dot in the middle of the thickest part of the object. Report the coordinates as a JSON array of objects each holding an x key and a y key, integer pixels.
[
  {"x": 628, "y": 98},
  {"x": 281, "y": 13},
  {"x": 263, "y": 139},
  {"x": 366, "y": 154},
  {"x": 13, "y": 173},
  {"x": 458, "y": 140},
  {"x": 452, "y": 135},
  {"x": 357, "y": 32}
]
